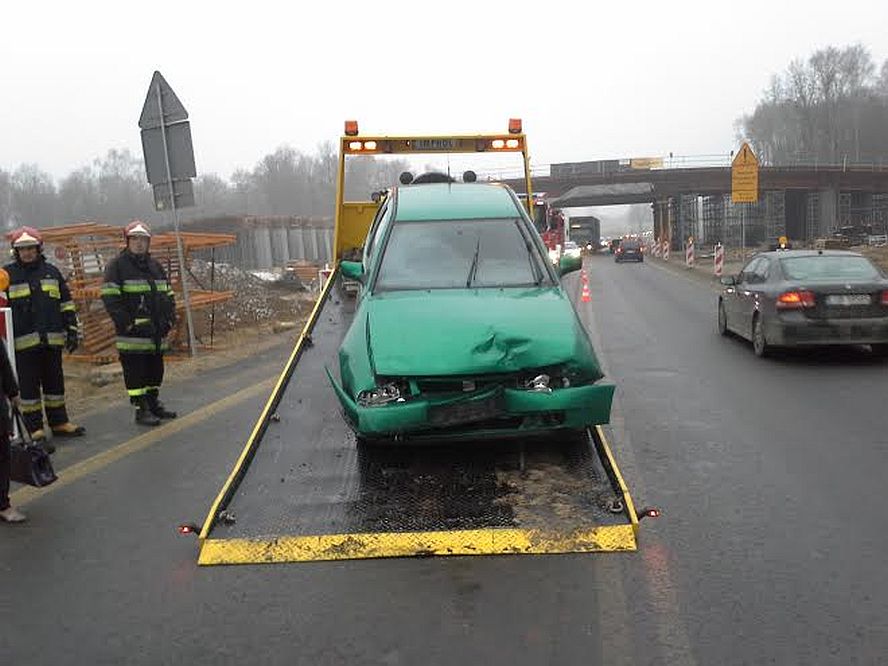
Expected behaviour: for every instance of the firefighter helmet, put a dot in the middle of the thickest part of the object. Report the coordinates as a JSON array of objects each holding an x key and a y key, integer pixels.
[
  {"x": 137, "y": 228},
  {"x": 26, "y": 237}
]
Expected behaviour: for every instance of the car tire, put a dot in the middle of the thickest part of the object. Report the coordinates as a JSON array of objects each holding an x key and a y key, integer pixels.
[
  {"x": 760, "y": 346},
  {"x": 722, "y": 321}
]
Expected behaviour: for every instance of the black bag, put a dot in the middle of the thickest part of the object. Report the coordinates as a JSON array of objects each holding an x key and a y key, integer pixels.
[{"x": 30, "y": 464}]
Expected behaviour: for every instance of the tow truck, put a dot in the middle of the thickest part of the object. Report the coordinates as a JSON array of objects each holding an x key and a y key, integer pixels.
[{"x": 305, "y": 489}]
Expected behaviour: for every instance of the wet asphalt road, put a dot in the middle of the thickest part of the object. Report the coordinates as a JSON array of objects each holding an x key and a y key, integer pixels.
[{"x": 770, "y": 475}]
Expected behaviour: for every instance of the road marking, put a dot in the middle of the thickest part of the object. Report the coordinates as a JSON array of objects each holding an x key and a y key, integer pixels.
[{"x": 99, "y": 461}]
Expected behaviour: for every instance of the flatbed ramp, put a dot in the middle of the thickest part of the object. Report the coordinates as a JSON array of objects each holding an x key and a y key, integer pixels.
[{"x": 303, "y": 490}]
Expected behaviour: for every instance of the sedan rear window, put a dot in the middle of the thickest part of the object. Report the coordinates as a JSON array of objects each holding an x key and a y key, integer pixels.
[
  {"x": 631, "y": 245},
  {"x": 827, "y": 267},
  {"x": 459, "y": 254}
]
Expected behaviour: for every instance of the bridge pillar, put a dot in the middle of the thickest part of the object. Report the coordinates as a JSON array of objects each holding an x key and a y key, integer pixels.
[
  {"x": 660, "y": 219},
  {"x": 829, "y": 210}
]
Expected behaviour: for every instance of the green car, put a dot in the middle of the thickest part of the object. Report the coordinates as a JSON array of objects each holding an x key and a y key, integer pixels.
[{"x": 463, "y": 329}]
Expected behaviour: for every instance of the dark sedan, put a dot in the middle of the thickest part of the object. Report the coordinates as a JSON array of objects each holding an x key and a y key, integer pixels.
[
  {"x": 805, "y": 297},
  {"x": 629, "y": 250}
]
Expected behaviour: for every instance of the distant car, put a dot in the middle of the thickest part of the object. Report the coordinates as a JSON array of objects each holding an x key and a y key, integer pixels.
[
  {"x": 571, "y": 249},
  {"x": 795, "y": 298},
  {"x": 629, "y": 250},
  {"x": 615, "y": 245},
  {"x": 463, "y": 329}
]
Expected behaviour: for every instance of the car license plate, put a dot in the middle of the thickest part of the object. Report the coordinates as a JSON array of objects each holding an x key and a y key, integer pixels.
[
  {"x": 848, "y": 299},
  {"x": 466, "y": 411}
]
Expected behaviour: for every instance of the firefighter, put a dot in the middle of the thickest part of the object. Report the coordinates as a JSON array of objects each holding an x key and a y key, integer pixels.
[
  {"x": 44, "y": 322},
  {"x": 140, "y": 301}
]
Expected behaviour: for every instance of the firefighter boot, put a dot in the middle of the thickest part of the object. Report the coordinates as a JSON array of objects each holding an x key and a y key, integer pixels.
[
  {"x": 68, "y": 429},
  {"x": 143, "y": 413},
  {"x": 158, "y": 409}
]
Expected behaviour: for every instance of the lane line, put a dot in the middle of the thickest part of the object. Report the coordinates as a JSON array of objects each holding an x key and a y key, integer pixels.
[{"x": 74, "y": 473}]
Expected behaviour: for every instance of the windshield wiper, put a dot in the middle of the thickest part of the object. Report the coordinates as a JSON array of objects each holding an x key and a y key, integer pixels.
[{"x": 474, "y": 266}]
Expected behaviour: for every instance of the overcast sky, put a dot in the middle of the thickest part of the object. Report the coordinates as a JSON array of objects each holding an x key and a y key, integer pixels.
[{"x": 590, "y": 80}]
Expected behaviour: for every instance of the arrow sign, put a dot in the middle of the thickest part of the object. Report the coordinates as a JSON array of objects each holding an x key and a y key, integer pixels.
[{"x": 745, "y": 176}]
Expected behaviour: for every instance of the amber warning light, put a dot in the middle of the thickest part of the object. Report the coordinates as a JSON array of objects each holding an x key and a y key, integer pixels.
[{"x": 351, "y": 127}]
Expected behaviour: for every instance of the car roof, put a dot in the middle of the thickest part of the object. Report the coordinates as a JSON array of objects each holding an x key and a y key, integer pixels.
[
  {"x": 789, "y": 254},
  {"x": 454, "y": 201}
]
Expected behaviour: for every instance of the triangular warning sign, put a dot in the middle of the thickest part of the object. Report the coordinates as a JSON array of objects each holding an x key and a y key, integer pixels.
[
  {"x": 173, "y": 110},
  {"x": 745, "y": 157}
]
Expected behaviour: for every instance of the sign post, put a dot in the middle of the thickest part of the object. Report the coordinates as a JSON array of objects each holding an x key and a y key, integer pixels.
[
  {"x": 169, "y": 164},
  {"x": 744, "y": 186}
]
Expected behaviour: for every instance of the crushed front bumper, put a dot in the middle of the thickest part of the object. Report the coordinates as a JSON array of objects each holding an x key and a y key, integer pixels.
[{"x": 505, "y": 412}]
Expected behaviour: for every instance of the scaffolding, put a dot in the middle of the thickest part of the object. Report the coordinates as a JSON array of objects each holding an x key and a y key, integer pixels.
[{"x": 82, "y": 251}]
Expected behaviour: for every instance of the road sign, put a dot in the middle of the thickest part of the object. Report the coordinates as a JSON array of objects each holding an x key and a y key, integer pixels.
[
  {"x": 184, "y": 190},
  {"x": 181, "y": 151},
  {"x": 169, "y": 164},
  {"x": 744, "y": 176}
]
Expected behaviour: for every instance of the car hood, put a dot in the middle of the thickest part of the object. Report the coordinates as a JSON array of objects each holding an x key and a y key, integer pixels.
[{"x": 472, "y": 332}]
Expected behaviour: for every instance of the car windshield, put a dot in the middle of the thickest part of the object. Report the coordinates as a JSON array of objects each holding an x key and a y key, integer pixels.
[
  {"x": 826, "y": 267},
  {"x": 459, "y": 254}
]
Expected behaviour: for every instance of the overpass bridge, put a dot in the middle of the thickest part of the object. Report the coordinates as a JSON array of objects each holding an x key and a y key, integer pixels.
[{"x": 802, "y": 202}]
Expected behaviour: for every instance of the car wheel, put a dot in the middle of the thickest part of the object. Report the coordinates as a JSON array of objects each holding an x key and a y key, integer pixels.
[
  {"x": 722, "y": 318},
  {"x": 759, "y": 344}
]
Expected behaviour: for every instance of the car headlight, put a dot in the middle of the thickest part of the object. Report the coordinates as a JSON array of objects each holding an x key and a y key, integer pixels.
[{"x": 381, "y": 395}]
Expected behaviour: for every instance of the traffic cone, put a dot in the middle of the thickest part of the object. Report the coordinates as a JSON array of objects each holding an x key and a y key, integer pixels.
[{"x": 586, "y": 295}]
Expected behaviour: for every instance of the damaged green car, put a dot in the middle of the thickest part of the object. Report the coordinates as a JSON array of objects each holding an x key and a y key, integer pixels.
[{"x": 463, "y": 329}]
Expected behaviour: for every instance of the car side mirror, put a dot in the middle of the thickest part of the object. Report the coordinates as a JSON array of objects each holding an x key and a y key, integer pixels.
[
  {"x": 354, "y": 270},
  {"x": 569, "y": 264},
  {"x": 728, "y": 280}
]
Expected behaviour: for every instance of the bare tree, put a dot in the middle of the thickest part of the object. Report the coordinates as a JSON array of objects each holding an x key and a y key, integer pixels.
[{"x": 825, "y": 109}]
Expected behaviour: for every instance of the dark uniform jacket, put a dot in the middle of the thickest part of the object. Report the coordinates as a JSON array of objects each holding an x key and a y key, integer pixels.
[
  {"x": 43, "y": 313},
  {"x": 140, "y": 301}
]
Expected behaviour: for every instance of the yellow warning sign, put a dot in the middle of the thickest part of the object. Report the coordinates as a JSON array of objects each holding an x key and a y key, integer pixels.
[{"x": 745, "y": 176}]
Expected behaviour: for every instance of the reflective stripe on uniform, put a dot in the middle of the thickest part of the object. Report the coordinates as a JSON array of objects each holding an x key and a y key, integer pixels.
[
  {"x": 53, "y": 401},
  {"x": 27, "y": 341},
  {"x": 135, "y": 393},
  {"x": 19, "y": 290},
  {"x": 142, "y": 320},
  {"x": 31, "y": 406},
  {"x": 110, "y": 289},
  {"x": 135, "y": 344},
  {"x": 135, "y": 286},
  {"x": 56, "y": 339},
  {"x": 68, "y": 306},
  {"x": 162, "y": 285},
  {"x": 51, "y": 287}
]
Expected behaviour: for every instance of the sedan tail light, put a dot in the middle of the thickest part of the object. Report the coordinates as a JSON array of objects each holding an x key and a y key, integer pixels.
[
  {"x": 795, "y": 300},
  {"x": 884, "y": 300}
]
